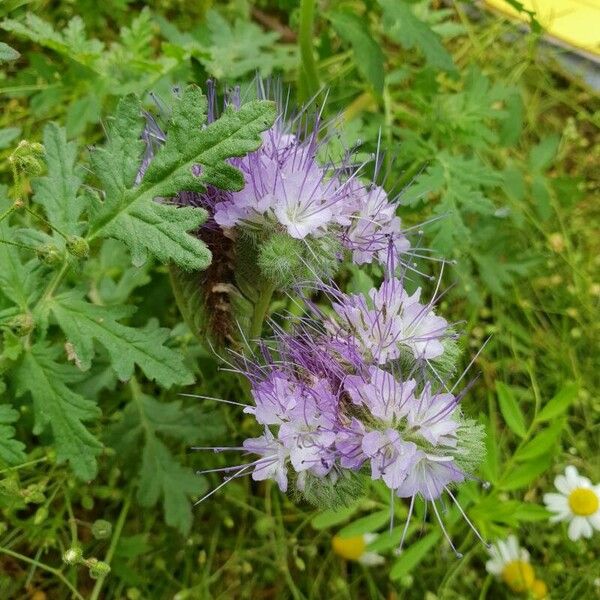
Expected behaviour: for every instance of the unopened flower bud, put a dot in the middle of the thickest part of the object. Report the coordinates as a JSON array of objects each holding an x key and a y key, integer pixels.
[
  {"x": 49, "y": 254},
  {"x": 22, "y": 325},
  {"x": 73, "y": 556},
  {"x": 98, "y": 568},
  {"x": 41, "y": 514},
  {"x": 78, "y": 247},
  {"x": 101, "y": 529}
]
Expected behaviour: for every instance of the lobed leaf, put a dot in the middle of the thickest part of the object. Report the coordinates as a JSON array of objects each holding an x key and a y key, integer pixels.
[
  {"x": 58, "y": 407},
  {"x": 192, "y": 158},
  {"x": 12, "y": 451},
  {"x": 83, "y": 323}
]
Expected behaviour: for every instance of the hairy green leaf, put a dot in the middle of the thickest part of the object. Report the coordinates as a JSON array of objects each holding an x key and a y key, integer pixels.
[
  {"x": 141, "y": 216},
  {"x": 83, "y": 323},
  {"x": 18, "y": 281},
  {"x": 57, "y": 191},
  {"x": 56, "y": 406},
  {"x": 161, "y": 475},
  {"x": 11, "y": 450}
]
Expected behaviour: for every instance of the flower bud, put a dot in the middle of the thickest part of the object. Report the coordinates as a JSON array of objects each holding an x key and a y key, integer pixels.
[
  {"x": 280, "y": 258},
  {"x": 49, "y": 254},
  {"x": 78, "y": 246},
  {"x": 101, "y": 529},
  {"x": 73, "y": 556},
  {"x": 41, "y": 514},
  {"x": 98, "y": 568},
  {"x": 22, "y": 325}
]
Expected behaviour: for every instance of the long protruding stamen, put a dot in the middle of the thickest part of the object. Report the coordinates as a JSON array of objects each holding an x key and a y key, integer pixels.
[
  {"x": 462, "y": 512},
  {"x": 410, "y": 511},
  {"x": 443, "y": 528}
]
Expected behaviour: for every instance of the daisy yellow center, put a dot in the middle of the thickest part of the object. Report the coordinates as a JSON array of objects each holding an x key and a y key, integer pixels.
[
  {"x": 539, "y": 589},
  {"x": 350, "y": 548},
  {"x": 583, "y": 502},
  {"x": 518, "y": 575}
]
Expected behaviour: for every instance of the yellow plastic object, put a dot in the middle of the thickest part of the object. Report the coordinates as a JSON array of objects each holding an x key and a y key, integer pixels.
[{"x": 573, "y": 22}]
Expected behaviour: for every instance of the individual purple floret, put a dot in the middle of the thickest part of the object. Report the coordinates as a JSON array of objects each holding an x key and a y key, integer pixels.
[{"x": 373, "y": 223}]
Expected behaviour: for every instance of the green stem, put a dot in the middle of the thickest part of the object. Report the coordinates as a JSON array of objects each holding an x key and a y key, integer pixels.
[
  {"x": 308, "y": 66},
  {"x": 260, "y": 310},
  {"x": 56, "y": 281},
  {"x": 44, "y": 567},
  {"x": 113, "y": 545}
]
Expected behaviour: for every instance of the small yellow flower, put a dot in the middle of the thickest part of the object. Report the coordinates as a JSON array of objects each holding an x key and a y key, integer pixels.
[
  {"x": 539, "y": 590},
  {"x": 578, "y": 502},
  {"x": 511, "y": 563},
  {"x": 354, "y": 548},
  {"x": 518, "y": 575}
]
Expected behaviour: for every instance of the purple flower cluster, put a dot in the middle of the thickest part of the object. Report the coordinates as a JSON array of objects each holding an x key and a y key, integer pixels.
[
  {"x": 352, "y": 394},
  {"x": 287, "y": 189},
  {"x": 327, "y": 405}
]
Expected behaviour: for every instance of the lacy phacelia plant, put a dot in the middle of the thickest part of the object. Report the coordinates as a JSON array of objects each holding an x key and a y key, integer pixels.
[
  {"x": 295, "y": 218},
  {"x": 355, "y": 394}
]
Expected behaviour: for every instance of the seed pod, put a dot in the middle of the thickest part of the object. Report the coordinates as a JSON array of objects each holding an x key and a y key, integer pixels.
[
  {"x": 49, "y": 254},
  {"x": 98, "y": 568},
  {"x": 102, "y": 529},
  {"x": 78, "y": 247}
]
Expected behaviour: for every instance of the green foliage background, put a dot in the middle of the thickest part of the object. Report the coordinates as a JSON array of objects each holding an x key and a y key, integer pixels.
[{"x": 492, "y": 145}]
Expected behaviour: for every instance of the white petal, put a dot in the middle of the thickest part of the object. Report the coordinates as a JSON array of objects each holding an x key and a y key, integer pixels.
[
  {"x": 494, "y": 567},
  {"x": 513, "y": 547},
  {"x": 571, "y": 473},
  {"x": 594, "y": 520},
  {"x": 371, "y": 558},
  {"x": 575, "y": 528},
  {"x": 556, "y": 502},
  {"x": 586, "y": 528},
  {"x": 574, "y": 479},
  {"x": 560, "y": 516},
  {"x": 562, "y": 485}
]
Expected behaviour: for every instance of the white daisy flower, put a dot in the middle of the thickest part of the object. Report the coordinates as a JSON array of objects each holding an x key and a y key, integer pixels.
[
  {"x": 355, "y": 548},
  {"x": 510, "y": 562},
  {"x": 578, "y": 502}
]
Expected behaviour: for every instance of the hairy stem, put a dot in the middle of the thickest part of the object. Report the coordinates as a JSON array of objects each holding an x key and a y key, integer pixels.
[{"x": 261, "y": 308}]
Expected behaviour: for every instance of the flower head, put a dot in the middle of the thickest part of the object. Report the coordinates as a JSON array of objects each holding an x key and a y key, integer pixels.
[
  {"x": 355, "y": 548},
  {"x": 577, "y": 502},
  {"x": 511, "y": 563}
]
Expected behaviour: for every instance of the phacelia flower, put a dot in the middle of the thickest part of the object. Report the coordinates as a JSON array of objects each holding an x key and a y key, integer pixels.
[
  {"x": 355, "y": 548},
  {"x": 332, "y": 410},
  {"x": 288, "y": 190},
  {"x": 511, "y": 563},
  {"x": 577, "y": 502},
  {"x": 388, "y": 321}
]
